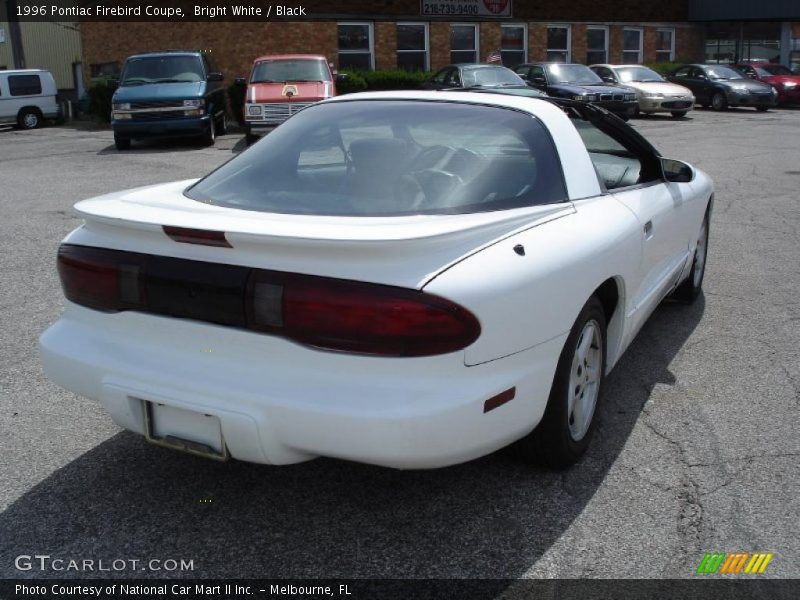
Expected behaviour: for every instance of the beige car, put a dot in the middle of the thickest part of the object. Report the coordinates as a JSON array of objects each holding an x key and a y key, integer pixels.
[{"x": 653, "y": 92}]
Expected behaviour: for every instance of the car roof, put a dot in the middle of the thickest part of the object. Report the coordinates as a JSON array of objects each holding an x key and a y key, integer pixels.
[
  {"x": 289, "y": 56},
  {"x": 474, "y": 65},
  {"x": 16, "y": 71},
  {"x": 552, "y": 62},
  {"x": 612, "y": 66},
  {"x": 165, "y": 52}
]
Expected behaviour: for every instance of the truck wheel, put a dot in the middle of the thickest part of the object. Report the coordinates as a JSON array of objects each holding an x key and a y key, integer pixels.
[
  {"x": 250, "y": 139},
  {"x": 122, "y": 143},
  {"x": 29, "y": 118},
  {"x": 222, "y": 127},
  {"x": 210, "y": 136},
  {"x": 679, "y": 113}
]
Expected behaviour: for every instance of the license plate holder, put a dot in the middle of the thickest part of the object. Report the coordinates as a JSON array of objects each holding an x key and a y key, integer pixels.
[{"x": 184, "y": 430}]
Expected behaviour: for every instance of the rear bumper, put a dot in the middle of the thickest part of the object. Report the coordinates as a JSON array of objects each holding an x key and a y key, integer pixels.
[
  {"x": 161, "y": 127},
  {"x": 281, "y": 403}
]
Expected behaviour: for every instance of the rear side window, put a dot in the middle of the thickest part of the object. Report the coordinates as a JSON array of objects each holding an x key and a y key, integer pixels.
[
  {"x": 24, "y": 85},
  {"x": 387, "y": 158}
]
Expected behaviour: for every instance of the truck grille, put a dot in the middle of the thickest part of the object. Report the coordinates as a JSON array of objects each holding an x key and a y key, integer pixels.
[
  {"x": 278, "y": 112},
  {"x": 153, "y": 116},
  {"x": 161, "y": 104}
]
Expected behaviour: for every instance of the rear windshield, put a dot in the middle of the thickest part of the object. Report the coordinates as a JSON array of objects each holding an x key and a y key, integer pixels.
[
  {"x": 491, "y": 76},
  {"x": 386, "y": 158},
  {"x": 572, "y": 74},
  {"x": 270, "y": 71},
  {"x": 162, "y": 69}
]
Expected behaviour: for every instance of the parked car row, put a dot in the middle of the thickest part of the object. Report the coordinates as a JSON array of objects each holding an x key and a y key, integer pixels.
[
  {"x": 180, "y": 93},
  {"x": 628, "y": 90}
]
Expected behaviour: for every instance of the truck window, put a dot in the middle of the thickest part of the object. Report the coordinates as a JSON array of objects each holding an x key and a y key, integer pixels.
[{"x": 24, "y": 85}]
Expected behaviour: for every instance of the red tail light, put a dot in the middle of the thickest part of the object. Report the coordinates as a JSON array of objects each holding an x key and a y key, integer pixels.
[
  {"x": 105, "y": 280},
  {"x": 333, "y": 314}
]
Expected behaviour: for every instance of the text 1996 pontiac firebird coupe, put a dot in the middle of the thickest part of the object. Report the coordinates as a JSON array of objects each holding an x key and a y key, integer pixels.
[{"x": 409, "y": 279}]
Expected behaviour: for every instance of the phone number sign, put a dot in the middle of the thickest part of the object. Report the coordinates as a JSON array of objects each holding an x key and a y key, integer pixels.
[{"x": 466, "y": 8}]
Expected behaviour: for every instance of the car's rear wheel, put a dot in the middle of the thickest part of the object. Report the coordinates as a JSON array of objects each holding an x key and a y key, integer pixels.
[
  {"x": 563, "y": 434},
  {"x": 719, "y": 101},
  {"x": 679, "y": 113},
  {"x": 29, "y": 118},
  {"x": 689, "y": 290},
  {"x": 762, "y": 108},
  {"x": 122, "y": 143}
]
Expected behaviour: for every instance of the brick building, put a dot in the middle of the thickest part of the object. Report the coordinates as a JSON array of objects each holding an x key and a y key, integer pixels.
[{"x": 386, "y": 34}]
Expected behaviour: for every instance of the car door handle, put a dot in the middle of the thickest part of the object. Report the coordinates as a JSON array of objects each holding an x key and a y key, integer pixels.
[{"x": 648, "y": 229}]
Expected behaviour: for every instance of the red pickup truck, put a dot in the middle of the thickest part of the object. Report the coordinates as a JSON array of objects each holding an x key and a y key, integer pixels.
[{"x": 281, "y": 85}]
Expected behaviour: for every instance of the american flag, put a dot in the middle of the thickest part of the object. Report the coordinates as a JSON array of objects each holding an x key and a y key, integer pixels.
[{"x": 495, "y": 57}]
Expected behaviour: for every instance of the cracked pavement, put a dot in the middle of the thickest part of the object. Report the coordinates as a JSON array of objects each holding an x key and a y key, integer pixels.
[{"x": 697, "y": 448}]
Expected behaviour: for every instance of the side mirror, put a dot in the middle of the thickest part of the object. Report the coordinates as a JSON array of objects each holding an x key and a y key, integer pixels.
[
  {"x": 215, "y": 77},
  {"x": 677, "y": 171},
  {"x": 608, "y": 79},
  {"x": 240, "y": 81},
  {"x": 539, "y": 81},
  {"x": 341, "y": 77}
]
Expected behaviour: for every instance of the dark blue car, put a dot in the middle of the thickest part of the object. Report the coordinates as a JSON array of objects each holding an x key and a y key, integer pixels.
[
  {"x": 579, "y": 82},
  {"x": 164, "y": 94}
]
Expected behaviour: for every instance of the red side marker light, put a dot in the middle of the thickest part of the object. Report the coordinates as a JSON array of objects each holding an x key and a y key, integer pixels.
[
  {"x": 499, "y": 400},
  {"x": 201, "y": 237}
]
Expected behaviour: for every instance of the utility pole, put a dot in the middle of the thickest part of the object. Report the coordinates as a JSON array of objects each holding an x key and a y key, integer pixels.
[{"x": 17, "y": 50}]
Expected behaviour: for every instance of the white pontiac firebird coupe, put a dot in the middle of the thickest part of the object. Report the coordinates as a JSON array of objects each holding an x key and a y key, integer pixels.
[{"x": 408, "y": 279}]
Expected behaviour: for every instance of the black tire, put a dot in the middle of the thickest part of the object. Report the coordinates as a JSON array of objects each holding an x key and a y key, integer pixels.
[
  {"x": 222, "y": 126},
  {"x": 679, "y": 113},
  {"x": 688, "y": 291},
  {"x": 250, "y": 139},
  {"x": 122, "y": 143},
  {"x": 210, "y": 134},
  {"x": 719, "y": 101},
  {"x": 762, "y": 108},
  {"x": 29, "y": 118},
  {"x": 552, "y": 443}
]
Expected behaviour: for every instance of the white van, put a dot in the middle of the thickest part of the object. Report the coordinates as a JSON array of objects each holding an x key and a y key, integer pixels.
[{"x": 27, "y": 97}]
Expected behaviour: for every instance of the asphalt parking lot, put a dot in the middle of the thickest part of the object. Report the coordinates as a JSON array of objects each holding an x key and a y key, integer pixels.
[{"x": 697, "y": 448}]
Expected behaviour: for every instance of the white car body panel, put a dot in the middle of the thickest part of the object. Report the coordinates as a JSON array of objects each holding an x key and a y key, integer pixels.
[
  {"x": 281, "y": 402},
  {"x": 404, "y": 251}
]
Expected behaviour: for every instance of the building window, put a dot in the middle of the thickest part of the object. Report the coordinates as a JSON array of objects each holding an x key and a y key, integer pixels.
[
  {"x": 108, "y": 69},
  {"x": 665, "y": 45},
  {"x": 514, "y": 44},
  {"x": 356, "y": 50},
  {"x": 412, "y": 46},
  {"x": 24, "y": 85},
  {"x": 596, "y": 45},
  {"x": 558, "y": 43},
  {"x": 631, "y": 45},
  {"x": 463, "y": 43}
]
